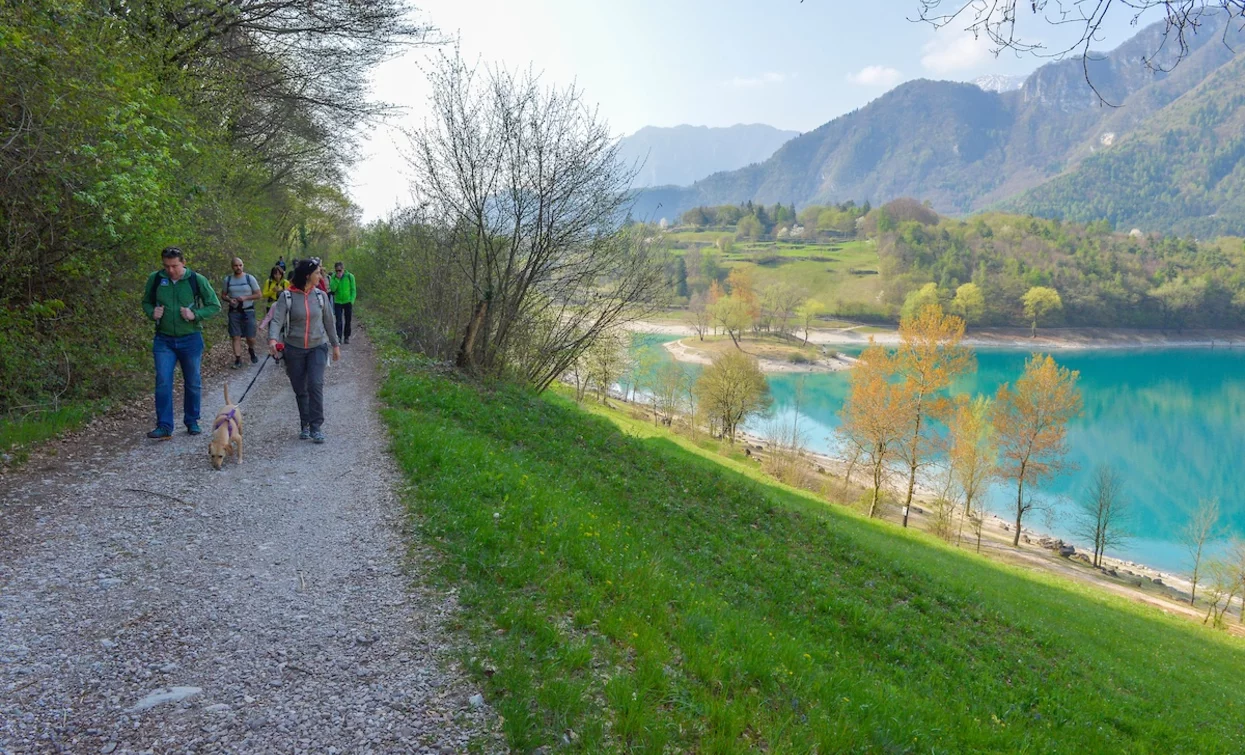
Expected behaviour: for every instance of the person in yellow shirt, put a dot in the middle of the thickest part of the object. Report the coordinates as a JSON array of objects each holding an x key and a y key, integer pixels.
[{"x": 275, "y": 284}]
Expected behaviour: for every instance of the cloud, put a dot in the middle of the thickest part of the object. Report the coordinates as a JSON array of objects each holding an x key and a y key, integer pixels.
[
  {"x": 951, "y": 52},
  {"x": 750, "y": 82},
  {"x": 876, "y": 76}
]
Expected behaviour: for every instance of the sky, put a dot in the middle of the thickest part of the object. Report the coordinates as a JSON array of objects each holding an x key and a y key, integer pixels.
[{"x": 788, "y": 64}]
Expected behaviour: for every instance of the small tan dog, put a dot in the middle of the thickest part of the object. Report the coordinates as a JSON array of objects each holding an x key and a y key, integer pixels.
[{"x": 226, "y": 434}]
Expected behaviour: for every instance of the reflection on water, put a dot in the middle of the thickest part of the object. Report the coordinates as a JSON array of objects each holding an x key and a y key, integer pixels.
[{"x": 1171, "y": 421}]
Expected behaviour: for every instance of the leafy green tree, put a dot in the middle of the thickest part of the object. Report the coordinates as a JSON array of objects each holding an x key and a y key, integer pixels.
[
  {"x": 969, "y": 303},
  {"x": 1180, "y": 297},
  {"x": 918, "y": 300},
  {"x": 731, "y": 389},
  {"x": 695, "y": 217},
  {"x": 749, "y": 227},
  {"x": 1039, "y": 302}
]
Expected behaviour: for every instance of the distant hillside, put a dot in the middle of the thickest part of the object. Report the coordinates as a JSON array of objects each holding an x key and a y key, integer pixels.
[
  {"x": 1182, "y": 171},
  {"x": 683, "y": 154},
  {"x": 963, "y": 148}
]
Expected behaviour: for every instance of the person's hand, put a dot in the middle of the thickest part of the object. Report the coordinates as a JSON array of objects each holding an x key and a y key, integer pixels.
[
  {"x": 272, "y": 348},
  {"x": 188, "y": 314},
  {"x": 337, "y": 353},
  {"x": 159, "y": 312}
]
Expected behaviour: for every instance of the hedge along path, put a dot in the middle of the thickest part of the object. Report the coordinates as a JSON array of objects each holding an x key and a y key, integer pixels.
[{"x": 148, "y": 601}]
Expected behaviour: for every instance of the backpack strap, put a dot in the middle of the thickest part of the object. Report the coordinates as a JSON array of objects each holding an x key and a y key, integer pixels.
[
  {"x": 194, "y": 288},
  {"x": 289, "y": 304}
]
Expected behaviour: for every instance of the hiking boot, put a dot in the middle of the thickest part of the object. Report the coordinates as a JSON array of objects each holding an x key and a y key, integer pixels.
[
  {"x": 346, "y": 339},
  {"x": 305, "y": 433},
  {"x": 160, "y": 433},
  {"x": 317, "y": 436},
  {"x": 254, "y": 359},
  {"x": 193, "y": 429},
  {"x": 237, "y": 362}
]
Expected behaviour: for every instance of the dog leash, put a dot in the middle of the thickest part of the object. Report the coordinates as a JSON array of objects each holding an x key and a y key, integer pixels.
[{"x": 261, "y": 369}]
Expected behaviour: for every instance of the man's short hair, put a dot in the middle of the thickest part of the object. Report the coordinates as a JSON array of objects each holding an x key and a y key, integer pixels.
[
  {"x": 171, "y": 253},
  {"x": 339, "y": 264}
]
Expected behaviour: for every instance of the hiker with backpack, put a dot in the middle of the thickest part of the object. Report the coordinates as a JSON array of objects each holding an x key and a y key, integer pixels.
[
  {"x": 301, "y": 331},
  {"x": 273, "y": 287},
  {"x": 179, "y": 300},
  {"x": 343, "y": 289},
  {"x": 240, "y": 291}
]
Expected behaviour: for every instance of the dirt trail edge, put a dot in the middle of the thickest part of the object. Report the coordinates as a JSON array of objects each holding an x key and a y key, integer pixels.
[{"x": 149, "y": 603}]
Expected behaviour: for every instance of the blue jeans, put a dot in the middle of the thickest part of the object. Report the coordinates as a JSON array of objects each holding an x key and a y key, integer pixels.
[{"x": 169, "y": 352}]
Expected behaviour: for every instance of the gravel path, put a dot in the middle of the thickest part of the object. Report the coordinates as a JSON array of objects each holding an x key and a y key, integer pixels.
[{"x": 151, "y": 604}]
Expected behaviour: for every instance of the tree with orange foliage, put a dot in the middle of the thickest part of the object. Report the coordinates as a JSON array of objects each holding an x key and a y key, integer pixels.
[
  {"x": 929, "y": 357},
  {"x": 740, "y": 283},
  {"x": 875, "y": 413},
  {"x": 971, "y": 455},
  {"x": 715, "y": 292},
  {"x": 1031, "y": 426}
]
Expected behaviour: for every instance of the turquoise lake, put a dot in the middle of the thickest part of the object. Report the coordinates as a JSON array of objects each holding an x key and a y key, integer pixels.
[{"x": 1171, "y": 421}]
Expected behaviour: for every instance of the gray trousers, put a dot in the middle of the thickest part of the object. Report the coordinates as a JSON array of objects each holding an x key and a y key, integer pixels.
[{"x": 306, "y": 370}]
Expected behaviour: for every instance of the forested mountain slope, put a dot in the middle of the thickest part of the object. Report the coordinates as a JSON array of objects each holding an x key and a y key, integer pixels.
[
  {"x": 965, "y": 149},
  {"x": 1180, "y": 172}
]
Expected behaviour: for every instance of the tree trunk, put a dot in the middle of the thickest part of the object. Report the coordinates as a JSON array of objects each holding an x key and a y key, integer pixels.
[
  {"x": 968, "y": 504},
  {"x": 912, "y": 464},
  {"x": 1020, "y": 511},
  {"x": 877, "y": 483},
  {"x": 851, "y": 467},
  {"x": 466, "y": 350}
]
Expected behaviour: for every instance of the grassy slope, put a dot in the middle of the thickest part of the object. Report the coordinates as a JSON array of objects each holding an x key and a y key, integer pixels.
[
  {"x": 630, "y": 590},
  {"x": 822, "y": 269}
]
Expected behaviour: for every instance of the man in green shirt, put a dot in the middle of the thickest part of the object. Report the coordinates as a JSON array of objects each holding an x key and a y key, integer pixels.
[
  {"x": 179, "y": 300},
  {"x": 343, "y": 290}
]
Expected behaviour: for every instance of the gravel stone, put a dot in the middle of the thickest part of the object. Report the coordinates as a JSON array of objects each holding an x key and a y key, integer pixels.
[{"x": 282, "y": 590}]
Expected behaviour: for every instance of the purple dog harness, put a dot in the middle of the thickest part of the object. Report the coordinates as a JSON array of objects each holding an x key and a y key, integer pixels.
[{"x": 228, "y": 418}]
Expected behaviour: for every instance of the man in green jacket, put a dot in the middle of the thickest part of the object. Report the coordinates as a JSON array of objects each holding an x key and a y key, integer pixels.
[
  {"x": 343, "y": 290},
  {"x": 179, "y": 300}
]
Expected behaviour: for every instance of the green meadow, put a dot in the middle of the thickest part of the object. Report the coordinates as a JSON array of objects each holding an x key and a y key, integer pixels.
[
  {"x": 841, "y": 274},
  {"x": 627, "y": 590}
]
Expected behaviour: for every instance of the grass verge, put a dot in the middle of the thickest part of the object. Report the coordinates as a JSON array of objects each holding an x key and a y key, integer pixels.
[
  {"x": 19, "y": 433},
  {"x": 631, "y": 593}
]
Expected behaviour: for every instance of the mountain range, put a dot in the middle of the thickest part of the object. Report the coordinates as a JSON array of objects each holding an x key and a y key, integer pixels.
[
  {"x": 683, "y": 154},
  {"x": 1056, "y": 146},
  {"x": 1000, "y": 82}
]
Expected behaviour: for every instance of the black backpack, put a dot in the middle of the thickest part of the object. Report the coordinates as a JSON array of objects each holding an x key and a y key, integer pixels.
[{"x": 194, "y": 288}]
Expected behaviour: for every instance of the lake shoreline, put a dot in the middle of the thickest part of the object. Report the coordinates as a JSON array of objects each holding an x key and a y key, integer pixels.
[
  {"x": 1128, "y": 576},
  {"x": 687, "y": 353},
  {"x": 1047, "y": 339},
  {"x": 1146, "y": 584}
]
